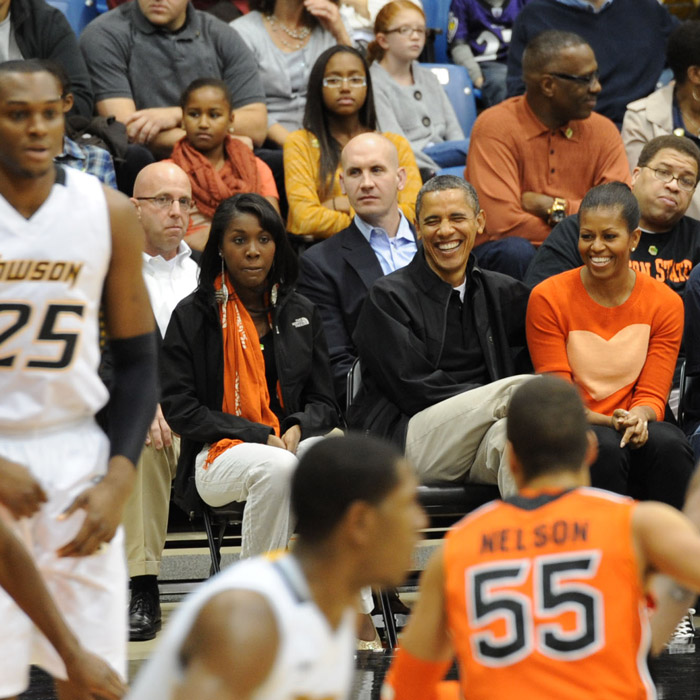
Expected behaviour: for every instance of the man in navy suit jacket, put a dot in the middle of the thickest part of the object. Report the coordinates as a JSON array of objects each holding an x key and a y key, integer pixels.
[{"x": 337, "y": 273}]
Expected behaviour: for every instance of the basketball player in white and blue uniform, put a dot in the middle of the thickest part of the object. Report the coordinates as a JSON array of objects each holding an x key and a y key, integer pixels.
[
  {"x": 67, "y": 246},
  {"x": 284, "y": 628}
]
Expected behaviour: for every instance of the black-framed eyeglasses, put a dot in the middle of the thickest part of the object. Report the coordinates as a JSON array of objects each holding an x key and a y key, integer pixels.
[
  {"x": 354, "y": 81},
  {"x": 406, "y": 30},
  {"x": 164, "y": 201},
  {"x": 588, "y": 80},
  {"x": 685, "y": 182}
]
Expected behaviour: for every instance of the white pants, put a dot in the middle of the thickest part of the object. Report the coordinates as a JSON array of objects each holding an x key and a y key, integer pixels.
[
  {"x": 463, "y": 438},
  {"x": 90, "y": 592},
  {"x": 261, "y": 476}
]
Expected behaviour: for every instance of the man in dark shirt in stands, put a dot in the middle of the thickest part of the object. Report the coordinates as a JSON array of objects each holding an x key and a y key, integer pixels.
[{"x": 663, "y": 183}]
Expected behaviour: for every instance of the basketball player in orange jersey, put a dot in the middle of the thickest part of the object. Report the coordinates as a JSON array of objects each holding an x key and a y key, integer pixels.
[{"x": 544, "y": 594}]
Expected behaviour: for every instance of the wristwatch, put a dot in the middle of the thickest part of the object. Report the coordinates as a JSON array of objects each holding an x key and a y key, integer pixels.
[{"x": 557, "y": 211}]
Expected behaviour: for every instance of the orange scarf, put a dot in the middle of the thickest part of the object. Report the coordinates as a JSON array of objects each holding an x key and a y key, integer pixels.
[
  {"x": 210, "y": 187},
  {"x": 245, "y": 384}
]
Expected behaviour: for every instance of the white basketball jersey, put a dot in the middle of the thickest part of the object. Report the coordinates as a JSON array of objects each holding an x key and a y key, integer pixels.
[
  {"x": 313, "y": 662},
  {"x": 52, "y": 270}
]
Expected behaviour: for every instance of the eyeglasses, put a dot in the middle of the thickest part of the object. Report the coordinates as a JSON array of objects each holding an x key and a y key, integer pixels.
[
  {"x": 686, "y": 183},
  {"x": 589, "y": 80},
  {"x": 165, "y": 202},
  {"x": 354, "y": 81},
  {"x": 406, "y": 30}
]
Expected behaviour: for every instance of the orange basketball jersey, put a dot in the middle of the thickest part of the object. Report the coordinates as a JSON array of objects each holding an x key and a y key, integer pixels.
[{"x": 544, "y": 599}]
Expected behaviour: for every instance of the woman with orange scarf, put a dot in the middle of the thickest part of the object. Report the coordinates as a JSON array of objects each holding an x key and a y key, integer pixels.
[
  {"x": 217, "y": 164},
  {"x": 246, "y": 379}
]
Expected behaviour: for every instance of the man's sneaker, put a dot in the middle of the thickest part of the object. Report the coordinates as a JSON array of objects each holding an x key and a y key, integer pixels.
[
  {"x": 144, "y": 615},
  {"x": 683, "y": 639}
]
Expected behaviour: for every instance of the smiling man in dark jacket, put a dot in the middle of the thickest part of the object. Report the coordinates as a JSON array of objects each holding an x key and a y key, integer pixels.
[{"x": 440, "y": 342}]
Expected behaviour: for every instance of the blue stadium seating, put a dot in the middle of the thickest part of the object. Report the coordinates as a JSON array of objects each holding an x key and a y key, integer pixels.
[{"x": 78, "y": 12}]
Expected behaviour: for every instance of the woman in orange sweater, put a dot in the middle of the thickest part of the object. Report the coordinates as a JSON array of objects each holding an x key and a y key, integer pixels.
[{"x": 616, "y": 335}]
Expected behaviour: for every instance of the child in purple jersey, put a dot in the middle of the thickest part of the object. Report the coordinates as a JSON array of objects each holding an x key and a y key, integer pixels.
[{"x": 479, "y": 35}]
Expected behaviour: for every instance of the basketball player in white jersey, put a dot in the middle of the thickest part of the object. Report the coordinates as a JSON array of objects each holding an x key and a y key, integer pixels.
[
  {"x": 67, "y": 245},
  {"x": 284, "y": 628}
]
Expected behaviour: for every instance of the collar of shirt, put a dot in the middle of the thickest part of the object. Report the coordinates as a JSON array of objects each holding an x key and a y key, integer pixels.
[
  {"x": 461, "y": 290},
  {"x": 71, "y": 150},
  {"x": 531, "y": 127},
  {"x": 188, "y": 31},
  {"x": 158, "y": 261},
  {"x": 404, "y": 230},
  {"x": 584, "y": 5}
]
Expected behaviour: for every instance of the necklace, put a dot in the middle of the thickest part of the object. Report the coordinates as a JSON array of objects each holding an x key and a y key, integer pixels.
[{"x": 299, "y": 35}]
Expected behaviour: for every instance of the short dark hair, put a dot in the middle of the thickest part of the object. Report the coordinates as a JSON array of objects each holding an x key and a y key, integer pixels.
[
  {"x": 613, "y": 195},
  {"x": 316, "y": 115},
  {"x": 683, "y": 49},
  {"x": 681, "y": 144},
  {"x": 545, "y": 47},
  {"x": 547, "y": 426},
  {"x": 448, "y": 182},
  {"x": 38, "y": 65},
  {"x": 202, "y": 83},
  {"x": 284, "y": 265},
  {"x": 336, "y": 472}
]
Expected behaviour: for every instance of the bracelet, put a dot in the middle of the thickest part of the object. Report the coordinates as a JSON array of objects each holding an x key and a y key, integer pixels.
[{"x": 334, "y": 209}]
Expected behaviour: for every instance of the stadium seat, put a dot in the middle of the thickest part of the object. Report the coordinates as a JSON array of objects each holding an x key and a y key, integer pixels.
[
  {"x": 458, "y": 86},
  {"x": 78, "y": 12},
  {"x": 436, "y": 15}
]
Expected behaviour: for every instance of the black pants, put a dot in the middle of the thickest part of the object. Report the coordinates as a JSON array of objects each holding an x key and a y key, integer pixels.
[{"x": 659, "y": 471}]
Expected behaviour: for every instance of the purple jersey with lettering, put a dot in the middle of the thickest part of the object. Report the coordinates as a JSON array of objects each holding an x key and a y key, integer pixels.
[{"x": 484, "y": 28}]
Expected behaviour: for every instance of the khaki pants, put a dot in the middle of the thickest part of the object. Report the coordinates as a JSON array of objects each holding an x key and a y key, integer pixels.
[
  {"x": 146, "y": 512},
  {"x": 463, "y": 438}
]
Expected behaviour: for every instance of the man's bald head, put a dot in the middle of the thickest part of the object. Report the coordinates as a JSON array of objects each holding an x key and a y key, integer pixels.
[
  {"x": 162, "y": 196},
  {"x": 372, "y": 178}
]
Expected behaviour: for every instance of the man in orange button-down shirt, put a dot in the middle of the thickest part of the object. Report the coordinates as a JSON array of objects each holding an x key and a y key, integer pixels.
[{"x": 532, "y": 158}]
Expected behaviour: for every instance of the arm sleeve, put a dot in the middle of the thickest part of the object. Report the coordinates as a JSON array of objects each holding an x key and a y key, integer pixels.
[
  {"x": 453, "y": 130},
  {"x": 107, "y": 57},
  {"x": 407, "y": 196},
  {"x": 318, "y": 288},
  {"x": 320, "y": 414},
  {"x": 301, "y": 172},
  {"x": 546, "y": 338},
  {"x": 386, "y": 114},
  {"x": 655, "y": 379},
  {"x": 634, "y": 135},
  {"x": 183, "y": 373},
  {"x": 268, "y": 188},
  {"x": 239, "y": 69},
  {"x": 613, "y": 164},
  {"x": 493, "y": 170},
  {"x": 462, "y": 55},
  {"x": 406, "y": 376},
  {"x": 558, "y": 253}
]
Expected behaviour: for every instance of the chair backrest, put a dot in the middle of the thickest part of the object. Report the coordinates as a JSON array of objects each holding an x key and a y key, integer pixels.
[
  {"x": 436, "y": 17},
  {"x": 77, "y": 12},
  {"x": 458, "y": 86}
]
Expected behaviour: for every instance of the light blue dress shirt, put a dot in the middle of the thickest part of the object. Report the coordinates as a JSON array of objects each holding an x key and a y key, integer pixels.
[{"x": 392, "y": 253}]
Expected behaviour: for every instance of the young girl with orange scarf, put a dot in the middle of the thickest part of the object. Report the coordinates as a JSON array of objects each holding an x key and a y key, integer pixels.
[
  {"x": 217, "y": 164},
  {"x": 246, "y": 378}
]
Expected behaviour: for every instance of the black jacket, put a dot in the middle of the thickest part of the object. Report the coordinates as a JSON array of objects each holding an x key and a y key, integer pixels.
[
  {"x": 400, "y": 338},
  {"x": 42, "y": 31},
  {"x": 192, "y": 373}
]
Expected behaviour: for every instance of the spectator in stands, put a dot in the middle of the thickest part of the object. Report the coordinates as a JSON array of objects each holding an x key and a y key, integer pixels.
[
  {"x": 359, "y": 16},
  {"x": 246, "y": 380},
  {"x": 663, "y": 183},
  {"x": 438, "y": 343},
  {"x": 218, "y": 165},
  {"x": 479, "y": 33},
  {"x": 627, "y": 36},
  {"x": 162, "y": 196},
  {"x": 409, "y": 99},
  {"x": 532, "y": 158},
  {"x": 35, "y": 29},
  {"x": 675, "y": 108},
  {"x": 615, "y": 333},
  {"x": 337, "y": 273},
  {"x": 286, "y": 37},
  {"x": 127, "y": 47},
  {"x": 339, "y": 106}
]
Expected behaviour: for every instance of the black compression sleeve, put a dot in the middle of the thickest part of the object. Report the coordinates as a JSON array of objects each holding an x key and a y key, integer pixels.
[{"x": 133, "y": 399}]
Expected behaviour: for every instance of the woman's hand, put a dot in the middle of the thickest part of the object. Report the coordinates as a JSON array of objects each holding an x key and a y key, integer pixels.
[
  {"x": 291, "y": 438},
  {"x": 633, "y": 425},
  {"x": 328, "y": 16},
  {"x": 274, "y": 441}
]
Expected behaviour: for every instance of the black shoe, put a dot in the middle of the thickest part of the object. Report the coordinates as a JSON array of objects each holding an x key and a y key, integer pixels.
[{"x": 144, "y": 615}]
